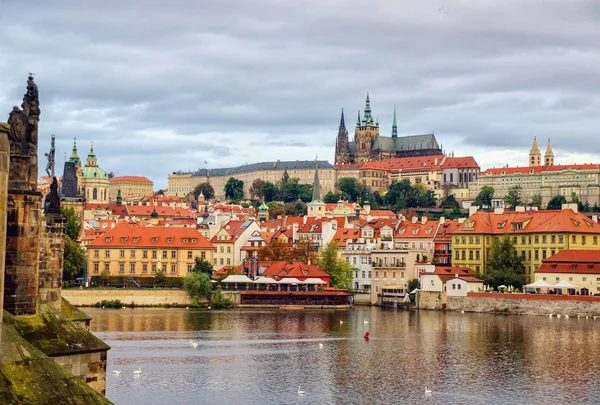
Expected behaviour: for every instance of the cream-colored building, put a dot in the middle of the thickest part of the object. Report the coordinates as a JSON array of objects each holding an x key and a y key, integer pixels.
[
  {"x": 181, "y": 183},
  {"x": 580, "y": 268},
  {"x": 131, "y": 187},
  {"x": 134, "y": 251},
  {"x": 228, "y": 242}
]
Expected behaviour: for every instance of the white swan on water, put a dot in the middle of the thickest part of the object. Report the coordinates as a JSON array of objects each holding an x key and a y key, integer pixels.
[
  {"x": 341, "y": 322},
  {"x": 117, "y": 372},
  {"x": 193, "y": 344},
  {"x": 138, "y": 371},
  {"x": 320, "y": 345},
  {"x": 427, "y": 391},
  {"x": 300, "y": 392}
]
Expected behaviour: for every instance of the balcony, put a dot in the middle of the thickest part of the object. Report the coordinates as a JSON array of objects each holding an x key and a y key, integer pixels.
[{"x": 397, "y": 265}]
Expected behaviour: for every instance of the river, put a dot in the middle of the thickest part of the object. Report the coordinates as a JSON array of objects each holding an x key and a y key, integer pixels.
[{"x": 264, "y": 356}]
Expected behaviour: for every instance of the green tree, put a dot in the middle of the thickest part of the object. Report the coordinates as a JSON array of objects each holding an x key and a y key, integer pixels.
[
  {"x": 398, "y": 190},
  {"x": 414, "y": 283},
  {"x": 270, "y": 191},
  {"x": 350, "y": 187},
  {"x": 576, "y": 200},
  {"x": 305, "y": 193},
  {"x": 285, "y": 177},
  {"x": 485, "y": 196},
  {"x": 198, "y": 286},
  {"x": 72, "y": 224},
  {"x": 339, "y": 270},
  {"x": 73, "y": 259},
  {"x": 207, "y": 190},
  {"x": 449, "y": 202},
  {"x": 330, "y": 198},
  {"x": 202, "y": 266},
  {"x": 513, "y": 197},
  {"x": 536, "y": 201},
  {"x": 295, "y": 209},
  {"x": 556, "y": 202},
  {"x": 257, "y": 189},
  {"x": 234, "y": 189},
  {"x": 505, "y": 266},
  {"x": 159, "y": 277}
]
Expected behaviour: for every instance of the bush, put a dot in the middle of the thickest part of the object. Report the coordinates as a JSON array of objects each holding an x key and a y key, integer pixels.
[
  {"x": 109, "y": 304},
  {"x": 224, "y": 304},
  {"x": 491, "y": 289},
  {"x": 516, "y": 290},
  {"x": 144, "y": 282}
]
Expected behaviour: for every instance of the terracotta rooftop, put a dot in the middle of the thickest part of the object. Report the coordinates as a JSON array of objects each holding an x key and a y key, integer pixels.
[
  {"x": 572, "y": 261},
  {"x": 538, "y": 169},
  {"x": 140, "y": 179}
]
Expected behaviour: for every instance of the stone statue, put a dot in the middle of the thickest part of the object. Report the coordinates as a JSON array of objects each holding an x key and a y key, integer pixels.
[
  {"x": 52, "y": 202},
  {"x": 50, "y": 156}
]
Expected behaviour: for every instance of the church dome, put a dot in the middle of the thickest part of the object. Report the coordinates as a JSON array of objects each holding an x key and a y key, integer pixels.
[{"x": 94, "y": 172}]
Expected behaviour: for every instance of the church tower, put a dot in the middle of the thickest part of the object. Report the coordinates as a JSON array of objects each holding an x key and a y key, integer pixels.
[
  {"x": 342, "y": 148},
  {"x": 535, "y": 156},
  {"x": 316, "y": 208},
  {"x": 549, "y": 155},
  {"x": 366, "y": 132}
]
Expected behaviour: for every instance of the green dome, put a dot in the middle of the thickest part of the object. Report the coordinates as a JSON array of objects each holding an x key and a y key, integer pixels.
[{"x": 94, "y": 172}]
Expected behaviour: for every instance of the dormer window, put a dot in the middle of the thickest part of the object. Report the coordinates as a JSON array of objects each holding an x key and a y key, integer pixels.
[
  {"x": 108, "y": 239},
  {"x": 305, "y": 272},
  {"x": 193, "y": 240},
  {"x": 185, "y": 240},
  {"x": 135, "y": 240},
  {"x": 154, "y": 240},
  {"x": 170, "y": 240},
  {"x": 123, "y": 240}
]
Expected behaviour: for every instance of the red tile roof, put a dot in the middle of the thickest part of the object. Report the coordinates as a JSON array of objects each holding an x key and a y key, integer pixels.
[
  {"x": 375, "y": 166},
  {"x": 539, "y": 169},
  {"x": 383, "y": 214},
  {"x": 572, "y": 261},
  {"x": 460, "y": 162},
  {"x": 163, "y": 211},
  {"x": 133, "y": 236},
  {"x": 420, "y": 162},
  {"x": 343, "y": 235},
  {"x": 528, "y": 222},
  {"x": 408, "y": 230},
  {"x": 140, "y": 179}
]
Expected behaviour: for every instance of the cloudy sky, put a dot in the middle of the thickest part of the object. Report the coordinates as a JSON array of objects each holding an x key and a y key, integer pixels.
[{"x": 163, "y": 86}]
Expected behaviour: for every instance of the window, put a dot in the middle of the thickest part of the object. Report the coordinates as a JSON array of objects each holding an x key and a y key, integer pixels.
[
  {"x": 145, "y": 268},
  {"x": 477, "y": 255},
  {"x": 560, "y": 239},
  {"x": 522, "y": 240},
  {"x": 574, "y": 239},
  {"x": 363, "y": 274},
  {"x": 544, "y": 239},
  {"x": 537, "y": 254},
  {"x": 228, "y": 249},
  {"x": 132, "y": 267},
  {"x": 470, "y": 240},
  {"x": 454, "y": 286},
  {"x": 543, "y": 253},
  {"x": 464, "y": 255},
  {"x": 377, "y": 275},
  {"x": 553, "y": 238},
  {"x": 595, "y": 240},
  {"x": 164, "y": 254},
  {"x": 584, "y": 279},
  {"x": 537, "y": 239},
  {"x": 456, "y": 254},
  {"x": 354, "y": 260},
  {"x": 190, "y": 268},
  {"x": 470, "y": 255},
  {"x": 583, "y": 239},
  {"x": 173, "y": 254},
  {"x": 189, "y": 254},
  {"x": 222, "y": 249},
  {"x": 356, "y": 274},
  {"x": 107, "y": 254},
  {"x": 96, "y": 267},
  {"x": 107, "y": 267},
  {"x": 477, "y": 239},
  {"x": 369, "y": 274},
  {"x": 173, "y": 268},
  {"x": 570, "y": 278},
  {"x": 96, "y": 253},
  {"x": 153, "y": 267},
  {"x": 228, "y": 261},
  {"x": 393, "y": 274},
  {"x": 121, "y": 267},
  {"x": 132, "y": 254},
  {"x": 121, "y": 254},
  {"x": 154, "y": 254},
  {"x": 203, "y": 255},
  {"x": 221, "y": 261},
  {"x": 145, "y": 254}
]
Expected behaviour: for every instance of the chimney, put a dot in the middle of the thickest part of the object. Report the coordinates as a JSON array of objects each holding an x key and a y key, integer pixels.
[
  {"x": 304, "y": 218},
  {"x": 473, "y": 210},
  {"x": 571, "y": 206},
  {"x": 423, "y": 220},
  {"x": 498, "y": 211},
  {"x": 442, "y": 220},
  {"x": 519, "y": 208},
  {"x": 595, "y": 218},
  {"x": 461, "y": 220},
  {"x": 414, "y": 220},
  {"x": 295, "y": 231}
]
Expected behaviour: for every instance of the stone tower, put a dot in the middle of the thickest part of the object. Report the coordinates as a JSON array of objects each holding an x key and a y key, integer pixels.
[
  {"x": 316, "y": 208},
  {"x": 342, "y": 148},
  {"x": 366, "y": 132},
  {"x": 549, "y": 155},
  {"x": 535, "y": 156}
]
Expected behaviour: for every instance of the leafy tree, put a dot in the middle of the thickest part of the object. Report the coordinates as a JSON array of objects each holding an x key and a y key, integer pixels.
[
  {"x": 536, "y": 201},
  {"x": 376, "y": 200},
  {"x": 485, "y": 196},
  {"x": 338, "y": 269},
  {"x": 286, "y": 177},
  {"x": 351, "y": 188},
  {"x": 74, "y": 258},
  {"x": 305, "y": 192},
  {"x": 234, "y": 189},
  {"x": 304, "y": 251},
  {"x": 513, "y": 197},
  {"x": 275, "y": 251},
  {"x": 398, "y": 190},
  {"x": 72, "y": 224},
  {"x": 207, "y": 190},
  {"x": 505, "y": 266},
  {"x": 288, "y": 191},
  {"x": 270, "y": 191},
  {"x": 556, "y": 202},
  {"x": 202, "y": 266},
  {"x": 576, "y": 200},
  {"x": 414, "y": 283},
  {"x": 159, "y": 277},
  {"x": 295, "y": 209},
  {"x": 198, "y": 286},
  {"x": 330, "y": 198},
  {"x": 449, "y": 202},
  {"x": 257, "y": 189},
  {"x": 160, "y": 192}
]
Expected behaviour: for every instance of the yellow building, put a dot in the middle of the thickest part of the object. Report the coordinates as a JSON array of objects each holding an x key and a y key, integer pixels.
[
  {"x": 131, "y": 187},
  {"x": 536, "y": 235},
  {"x": 134, "y": 251}
]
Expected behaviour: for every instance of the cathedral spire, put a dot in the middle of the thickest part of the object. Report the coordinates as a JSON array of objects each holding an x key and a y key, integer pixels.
[
  {"x": 358, "y": 120},
  {"x": 394, "y": 126},
  {"x": 342, "y": 123},
  {"x": 342, "y": 148},
  {"x": 368, "y": 119},
  {"x": 74, "y": 155},
  {"x": 316, "y": 196}
]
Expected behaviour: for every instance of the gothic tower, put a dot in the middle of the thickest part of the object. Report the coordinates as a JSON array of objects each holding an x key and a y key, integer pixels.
[
  {"x": 366, "y": 132},
  {"x": 535, "y": 156},
  {"x": 394, "y": 127},
  {"x": 342, "y": 149},
  {"x": 549, "y": 155}
]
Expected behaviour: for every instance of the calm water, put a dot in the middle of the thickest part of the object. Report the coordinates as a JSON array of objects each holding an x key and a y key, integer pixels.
[{"x": 261, "y": 357}]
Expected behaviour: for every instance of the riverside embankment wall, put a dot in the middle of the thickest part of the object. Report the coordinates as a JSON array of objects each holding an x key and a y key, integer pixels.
[{"x": 526, "y": 304}]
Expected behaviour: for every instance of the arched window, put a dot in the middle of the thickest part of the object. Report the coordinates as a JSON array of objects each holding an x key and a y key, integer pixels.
[
  {"x": 95, "y": 194},
  {"x": 451, "y": 177},
  {"x": 460, "y": 177},
  {"x": 470, "y": 176}
]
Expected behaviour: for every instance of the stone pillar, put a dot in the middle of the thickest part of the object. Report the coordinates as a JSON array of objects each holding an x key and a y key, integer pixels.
[
  {"x": 4, "y": 169},
  {"x": 51, "y": 260}
]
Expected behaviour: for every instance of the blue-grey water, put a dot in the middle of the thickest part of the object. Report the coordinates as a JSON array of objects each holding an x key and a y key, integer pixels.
[{"x": 263, "y": 356}]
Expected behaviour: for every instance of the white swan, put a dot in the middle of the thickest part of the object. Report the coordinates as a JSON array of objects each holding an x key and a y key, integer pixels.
[
  {"x": 320, "y": 345},
  {"x": 300, "y": 392},
  {"x": 117, "y": 371},
  {"x": 193, "y": 344},
  {"x": 558, "y": 316},
  {"x": 427, "y": 391},
  {"x": 550, "y": 315},
  {"x": 462, "y": 312},
  {"x": 138, "y": 371},
  {"x": 366, "y": 321},
  {"x": 341, "y": 322},
  {"x": 566, "y": 316}
]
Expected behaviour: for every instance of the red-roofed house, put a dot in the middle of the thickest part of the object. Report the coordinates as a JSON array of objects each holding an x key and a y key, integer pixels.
[
  {"x": 453, "y": 281},
  {"x": 578, "y": 267},
  {"x": 131, "y": 250}
]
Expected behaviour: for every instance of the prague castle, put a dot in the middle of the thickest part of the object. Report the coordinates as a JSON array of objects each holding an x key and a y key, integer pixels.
[{"x": 370, "y": 145}]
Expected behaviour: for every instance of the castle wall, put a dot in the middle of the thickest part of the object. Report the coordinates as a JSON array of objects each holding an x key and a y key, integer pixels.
[
  {"x": 51, "y": 260},
  {"x": 4, "y": 169}
]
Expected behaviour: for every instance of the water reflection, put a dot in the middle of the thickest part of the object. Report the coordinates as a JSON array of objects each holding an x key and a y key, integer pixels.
[{"x": 261, "y": 357}]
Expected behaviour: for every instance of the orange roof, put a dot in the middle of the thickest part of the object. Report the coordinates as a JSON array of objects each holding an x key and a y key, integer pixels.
[
  {"x": 348, "y": 166},
  {"x": 419, "y": 162},
  {"x": 344, "y": 234},
  {"x": 375, "y": 166},
  {"x": 417, "y": 230},
  {"x": 128, "y": 235},
  {"x": 140, "y": 179},
  {"x": 538, "y": 169},
  {"x": 528, "y": 222},
  {"x": 445, "y": 230},
  {"x": 458, "y": 162},
  {"x": 383, "y": 213},
  {"x": 301, "y": 271},
  {"x": 449, "y": 273},
  {"x": 572, "y": 261},
  {"x": 315, "y": 225},
  {"x": 163, "y": 211}
]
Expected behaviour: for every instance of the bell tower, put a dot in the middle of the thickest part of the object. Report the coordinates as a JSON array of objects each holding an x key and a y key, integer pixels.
[
  {"x": 366, "y": 132},
  {"x": 535, "y": 156}
]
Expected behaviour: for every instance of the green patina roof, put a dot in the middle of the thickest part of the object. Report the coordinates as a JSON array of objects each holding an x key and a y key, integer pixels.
[
  {"x": 94, "y": 172},
  {"x": 28, "y": 376}
]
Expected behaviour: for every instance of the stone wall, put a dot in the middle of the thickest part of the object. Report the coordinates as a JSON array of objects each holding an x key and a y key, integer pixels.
[
  {"x": 51, "y": 260},
  {"x": 526, "y": 304},
  {"x": 22, "y": 252},
  {"x": 89, "y": 367},
  {"x": 431, "y": 300},
  {"x": 4, "y": 165},
  {"x": 88, "y": 297}
]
